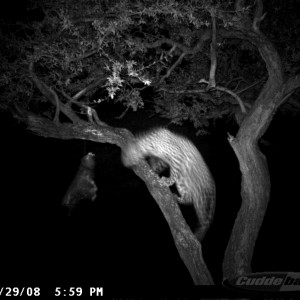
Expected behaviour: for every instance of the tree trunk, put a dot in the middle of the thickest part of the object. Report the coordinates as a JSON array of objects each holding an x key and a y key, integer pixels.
[
  {"x": 255, "y": 185},
  {"x": 255, "y": 191}
]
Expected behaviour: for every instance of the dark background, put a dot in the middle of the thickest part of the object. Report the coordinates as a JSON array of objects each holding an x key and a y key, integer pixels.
[{"x": 122, "y": 236}]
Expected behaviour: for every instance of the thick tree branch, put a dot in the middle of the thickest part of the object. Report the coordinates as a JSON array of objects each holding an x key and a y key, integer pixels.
[
  {"x": 80, "y": 130},
  {"x": 255, "y": 189},
  {"x": 188, "y": 246}
]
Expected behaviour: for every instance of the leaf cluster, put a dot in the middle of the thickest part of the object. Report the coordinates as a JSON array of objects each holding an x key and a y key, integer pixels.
[{"x": 130, "y": 48}]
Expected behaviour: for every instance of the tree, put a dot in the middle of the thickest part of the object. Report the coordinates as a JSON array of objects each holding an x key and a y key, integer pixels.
[{"x": 199, "y": 60}]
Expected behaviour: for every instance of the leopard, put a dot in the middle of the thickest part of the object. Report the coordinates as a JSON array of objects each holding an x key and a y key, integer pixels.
[{"x": 176, "y": 157}]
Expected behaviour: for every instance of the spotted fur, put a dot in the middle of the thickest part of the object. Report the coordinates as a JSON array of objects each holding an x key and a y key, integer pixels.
[{"x": 188, "y": 170}]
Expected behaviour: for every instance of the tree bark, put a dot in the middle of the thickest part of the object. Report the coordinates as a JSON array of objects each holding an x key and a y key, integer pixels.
[
  {"x": 189, "y": 248},
  {"x": 255, "y": 185}
]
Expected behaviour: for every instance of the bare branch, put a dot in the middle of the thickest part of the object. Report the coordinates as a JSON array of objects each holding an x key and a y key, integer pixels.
[
  {"x": 172, "y": 50},
  {"x": 71, "y": 100},
  {"x": 88, "y": 88},
  {"x": 51, "y": 95},
  {"x": 91, "y": 113},
  {"x": 213, "y": 46},
  {"x": 258, "y": 15},
  {"x": 234, "y": 95},
  {"x": 250, "y": 86},
  {"x": 80, "y": 130},
  {"x": 177, "y": 62},
  {"x": 203, "y": 91}
]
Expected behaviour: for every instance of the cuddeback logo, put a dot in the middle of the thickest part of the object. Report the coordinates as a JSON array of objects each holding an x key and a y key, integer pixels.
[{"x": 266, "y": 282}]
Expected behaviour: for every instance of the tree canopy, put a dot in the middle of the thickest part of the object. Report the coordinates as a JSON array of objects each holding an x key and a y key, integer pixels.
[
  {"x": 190, "y": 61},
  {"x": 123, "y": 51}
]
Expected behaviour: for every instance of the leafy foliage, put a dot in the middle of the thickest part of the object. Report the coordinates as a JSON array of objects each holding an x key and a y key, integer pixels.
[{"x": 120, "y": 51}]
